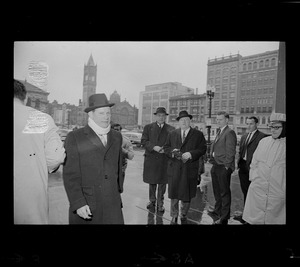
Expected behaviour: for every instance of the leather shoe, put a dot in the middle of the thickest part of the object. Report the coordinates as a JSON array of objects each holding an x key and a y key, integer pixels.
[
  {"x": 151, "y": 205},
  {"x": 219, "y": 221},
  {"x": 174, "y": 220}
]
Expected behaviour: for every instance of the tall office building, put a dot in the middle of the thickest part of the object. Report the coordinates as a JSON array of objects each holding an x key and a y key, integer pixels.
[
  {"x": 222, "y": 73},
  {"x": 157, "y": 95},
  {"x": 257, "y": 86}
]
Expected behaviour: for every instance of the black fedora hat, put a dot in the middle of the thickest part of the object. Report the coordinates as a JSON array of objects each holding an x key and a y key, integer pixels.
[
  {"x": 182, "y": 114},
  {"x": 160, "y": 110},
  {"x": 98, "y": 101}
]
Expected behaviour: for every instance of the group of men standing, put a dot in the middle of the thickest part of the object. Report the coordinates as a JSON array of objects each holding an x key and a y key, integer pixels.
[{"x": 95, "y": 157}]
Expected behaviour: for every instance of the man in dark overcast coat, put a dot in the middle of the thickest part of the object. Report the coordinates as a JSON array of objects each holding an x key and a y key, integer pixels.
[{"x": 155, "y": 161}]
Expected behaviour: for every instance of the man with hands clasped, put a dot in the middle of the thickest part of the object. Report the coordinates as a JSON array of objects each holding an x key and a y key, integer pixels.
[
  {"x": 155, "y": 161},
  {"x": 184, "y": 147}
]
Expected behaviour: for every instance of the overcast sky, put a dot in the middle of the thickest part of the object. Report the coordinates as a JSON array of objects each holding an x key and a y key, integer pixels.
[{"x": 125, "y": 66}]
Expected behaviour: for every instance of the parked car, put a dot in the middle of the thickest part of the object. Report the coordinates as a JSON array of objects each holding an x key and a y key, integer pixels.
[
  {"x": 135, "y": 138},
  {"x": 63, "y": 134}
]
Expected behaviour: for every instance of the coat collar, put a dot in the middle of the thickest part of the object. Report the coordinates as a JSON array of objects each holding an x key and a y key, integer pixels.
[{"x": 92, "y": 136}]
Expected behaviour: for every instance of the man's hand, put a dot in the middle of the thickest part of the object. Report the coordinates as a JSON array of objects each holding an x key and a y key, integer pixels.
[
  {"x": 186, "y": 156},
  {"x": 84, "y": 212},
  {"x": 158, "y": 149}
]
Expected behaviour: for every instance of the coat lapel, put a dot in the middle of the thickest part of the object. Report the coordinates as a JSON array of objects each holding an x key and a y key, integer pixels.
[
  {"x": 93, "y": 137},
  {"x": 190, "y": 133},
  {"x": 221, "y": 134}
]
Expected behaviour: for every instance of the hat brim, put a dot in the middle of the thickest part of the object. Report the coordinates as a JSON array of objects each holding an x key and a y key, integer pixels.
[
  {"x": 88, "y": 109},
  {"x": 178, "y": 118},
  {"x": 161, "y": 112}
]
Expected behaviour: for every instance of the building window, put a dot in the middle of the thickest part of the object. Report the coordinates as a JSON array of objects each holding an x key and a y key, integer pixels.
[
  {"x": 263, "y": 120},
  {"x": 217, "y": 88},
  {"x": 255, "y": 65},
  {"x": 267, "y": 63},
  {"x": 252, "y": 109},
  {"x": 261, "y": 64},
  {"x": 225, "y": 79},
  {"x": 273, "y": 62},
  {"x": 270, "y": 111},
  {"x": 266, "y": 81},
  {"x": 258, "y": 109},
  {"x": 225, "y": 87},
  {"x": 231, "y": 103},
  {"x": 244, "y": 67},
  {"x": 242, "y": 120},
  {"x": 249, "y": 83},
  {"x": 242, "y": 110},
  {"x": 249, "y": 66},
  {"x": 224, "y": 95},
  {"x": 231, "y": 94},
  {"x": 266, "y": 90}
]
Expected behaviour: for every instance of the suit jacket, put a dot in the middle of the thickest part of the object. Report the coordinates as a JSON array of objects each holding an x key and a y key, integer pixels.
[
  {"x": 93, "y": 176},
  {"x": 182, "y": 177},
  {"x": 251, "y": 147},
  {"x": 155, "y": 171},
  {"x": 224, "y": 148}
]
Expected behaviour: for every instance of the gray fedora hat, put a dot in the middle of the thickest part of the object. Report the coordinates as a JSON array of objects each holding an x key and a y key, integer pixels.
[
  {"x": 182, "y": 114},
  {"x": 97, "y": 101}
]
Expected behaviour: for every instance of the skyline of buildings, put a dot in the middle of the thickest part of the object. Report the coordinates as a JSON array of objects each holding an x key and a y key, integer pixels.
[{"x": 244, "y": 86}]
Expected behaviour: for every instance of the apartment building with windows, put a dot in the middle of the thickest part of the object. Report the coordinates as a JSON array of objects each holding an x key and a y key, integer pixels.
[
  {"x": 194, "y": 104},
  {"x": 222, "y": 73},
  {"x": 257, "y": 88},
  {"x": 158, "y": 95}
]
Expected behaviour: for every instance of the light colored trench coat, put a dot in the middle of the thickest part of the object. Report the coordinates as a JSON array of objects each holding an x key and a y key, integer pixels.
[
  {"x": 37, "y": 151},
  {"x": 266, "y": 198}
]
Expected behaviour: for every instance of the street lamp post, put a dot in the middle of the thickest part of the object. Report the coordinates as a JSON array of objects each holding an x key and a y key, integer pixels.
[{"x": 210, "y": 93}]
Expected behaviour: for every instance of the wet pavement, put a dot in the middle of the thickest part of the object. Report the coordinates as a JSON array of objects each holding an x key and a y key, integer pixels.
[{"x": 135, "y": 198}]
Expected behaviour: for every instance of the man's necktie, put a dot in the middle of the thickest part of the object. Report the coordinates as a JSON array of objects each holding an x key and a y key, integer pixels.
[
  {"x": 183, "y": 136},
  {"x": 245, "y": 145},
  {"x": 102, "y": 139},
  {"x": 218, "y": 135}
]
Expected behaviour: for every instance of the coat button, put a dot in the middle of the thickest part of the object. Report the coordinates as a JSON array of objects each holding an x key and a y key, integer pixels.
[{"x": 105, "y": 176}]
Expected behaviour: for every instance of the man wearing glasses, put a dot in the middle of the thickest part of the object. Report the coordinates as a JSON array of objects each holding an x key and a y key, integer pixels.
[
  {"x": 266, "y": 198},
  {"x": 248, "y": 144}
]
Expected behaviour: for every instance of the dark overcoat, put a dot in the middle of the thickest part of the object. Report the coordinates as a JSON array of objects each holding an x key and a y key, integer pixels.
[
  {"x": 155, "y": 171},
  {"x": 251, "y": 147},
  {"x": 93, "y": 176},
  {"x": 182, "y": 177}
]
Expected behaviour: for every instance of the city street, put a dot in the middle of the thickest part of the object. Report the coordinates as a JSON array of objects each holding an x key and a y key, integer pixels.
[{"x": 135, "y": 199}]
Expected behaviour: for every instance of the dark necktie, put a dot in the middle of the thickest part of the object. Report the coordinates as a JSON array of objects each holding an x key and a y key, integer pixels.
[
  {"x": 245, "y": 145},
  {"x": 183, "y": 136},
  {"x": 218, "y": 135}
]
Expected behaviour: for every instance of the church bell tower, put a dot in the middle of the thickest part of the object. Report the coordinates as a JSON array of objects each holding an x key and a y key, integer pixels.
[{"x": 89, "y": 81}]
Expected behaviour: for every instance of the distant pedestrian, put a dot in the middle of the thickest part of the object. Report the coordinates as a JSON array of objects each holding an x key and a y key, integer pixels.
[
  {"x": 127, "y": 148},
  {"x": 183, "y": 147},
  {"x": 266, "y": 197},
  {"x": 223, "y": 152},
  {"x": 92, "y": 173},
  {"x": 248, "y": 144},
  {"x": 155, "y": 172},
  {"x": 37, "y": 151}
]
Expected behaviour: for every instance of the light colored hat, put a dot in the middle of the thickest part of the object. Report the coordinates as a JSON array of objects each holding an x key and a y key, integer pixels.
[{"x": 278, "y": 117}]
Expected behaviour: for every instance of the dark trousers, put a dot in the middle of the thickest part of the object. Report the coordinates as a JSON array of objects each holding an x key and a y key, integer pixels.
[
  {"x": 244, "y": 177},
  {"x": 221, "y": 188},
  {"x": 184, "y": 208},
  {"x": 161, "y": 189}
]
